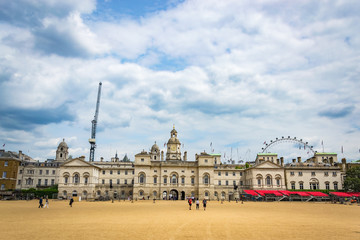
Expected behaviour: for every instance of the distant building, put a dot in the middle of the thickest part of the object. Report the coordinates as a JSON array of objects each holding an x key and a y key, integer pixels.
[{"x": 9, "y": 163}]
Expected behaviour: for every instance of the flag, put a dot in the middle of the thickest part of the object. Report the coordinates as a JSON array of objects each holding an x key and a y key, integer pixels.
[
  {"x": 304, "y": 146},
  {"x": 342, "y": 149},
  {"x": 4, "y": 145}
]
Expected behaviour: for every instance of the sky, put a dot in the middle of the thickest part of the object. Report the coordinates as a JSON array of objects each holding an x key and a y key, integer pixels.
[{"x": 230, "y": 75}]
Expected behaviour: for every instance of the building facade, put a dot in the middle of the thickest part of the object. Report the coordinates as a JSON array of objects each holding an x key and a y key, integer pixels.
[{"x": 9, "y": 163}]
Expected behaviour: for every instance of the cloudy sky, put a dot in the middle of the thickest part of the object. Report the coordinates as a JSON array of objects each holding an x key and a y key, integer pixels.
[{"x": 231, "y": 73}]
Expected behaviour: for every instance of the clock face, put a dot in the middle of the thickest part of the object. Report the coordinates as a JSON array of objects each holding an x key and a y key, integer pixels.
[{"x": 173, "y": 148}]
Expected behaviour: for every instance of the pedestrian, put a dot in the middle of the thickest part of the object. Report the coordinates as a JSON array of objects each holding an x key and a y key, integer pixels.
[
  {"x": 197, "y": 204},
  {"x": 190, "y": 202},
  {"x": 46, "y": 203},
  {"x": 40, "y": 202},
  {"x": 204, "y": 204},
  {"x": 71, "y": 202}
]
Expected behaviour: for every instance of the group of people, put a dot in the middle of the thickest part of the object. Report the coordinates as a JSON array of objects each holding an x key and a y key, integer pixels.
[
  {"x": 204, "y": 201},
  {"x": 41, "y": 205}
]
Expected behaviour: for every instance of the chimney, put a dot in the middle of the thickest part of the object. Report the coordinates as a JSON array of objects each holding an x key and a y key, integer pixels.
[
  {"x": 294, "y": 160},
  {"x": 331, "y": 161},
  {"x": 82, "y": 158},
  {"x": 101, "y": 159},
  {"x": 162, "y": 155},
  {"x": 277, "y": 161},
  {"x": 282, "y": 161},
  {"x": 185, "y": 156},
  {"x": 299, "y": 159},
  {"x": 343, "y": 164}
]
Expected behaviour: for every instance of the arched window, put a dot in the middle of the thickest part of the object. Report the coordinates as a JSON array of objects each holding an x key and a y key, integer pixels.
[
  {"x": 84, "y": 194},
  {"x": 98, "y": 193},
  {"x": 174, "y": 179},
  {"x": 65, "y": 193},
  {"x": 60, "y": 154},
  {"x": 314, "y": 184},
  {"x": 154, "y": 194},
  {"x": 259, "y": 178},
  {"x": 76, "y": 178},
  {"x": 141, "y": 193},
  {"x": 268, "y": 180},
  {"x": 207, "y": 194},
  {"x": 142, "y": 178},
  {"x": 206, "y": 179}
]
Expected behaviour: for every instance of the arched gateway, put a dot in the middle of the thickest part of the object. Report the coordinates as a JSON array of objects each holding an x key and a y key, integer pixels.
[{"x": 174, "y": 194}]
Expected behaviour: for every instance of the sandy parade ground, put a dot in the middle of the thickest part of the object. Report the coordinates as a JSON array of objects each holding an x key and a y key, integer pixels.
[{"x": 173, "y": 220}]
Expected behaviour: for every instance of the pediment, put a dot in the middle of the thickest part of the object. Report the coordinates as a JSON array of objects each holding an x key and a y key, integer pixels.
[
  {"x": 268, "y": 164},
  {"x": 77, "y": 162}
]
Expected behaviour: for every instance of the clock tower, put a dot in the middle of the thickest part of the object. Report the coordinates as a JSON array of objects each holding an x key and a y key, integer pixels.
[{"x": 173, "y": 146}]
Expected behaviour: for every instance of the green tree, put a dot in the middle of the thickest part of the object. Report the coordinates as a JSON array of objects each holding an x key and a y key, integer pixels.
[{"x": 352, "y": 181}]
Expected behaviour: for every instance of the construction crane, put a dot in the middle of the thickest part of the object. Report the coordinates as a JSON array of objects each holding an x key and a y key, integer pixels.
[{"x": 92, "y": 140}]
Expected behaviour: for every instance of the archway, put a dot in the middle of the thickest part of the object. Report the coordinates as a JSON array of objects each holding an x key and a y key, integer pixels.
[
  {"x": 164, "y": 195},
  {"x": 74, "y": 193},
  {"x": 182, "y": 195},
  {"x": 174, "y": 194}
]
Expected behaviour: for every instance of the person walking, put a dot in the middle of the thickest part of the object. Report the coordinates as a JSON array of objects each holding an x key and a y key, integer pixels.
[
  {"x": 204, "y": 204},
  {"x": 46, "y": 203},
  {"x": 190, "y": 202},
  {"x": 71, "y": 202},
  {"x": 40, "y": 202},
  {"x": 197, "y": 204}
]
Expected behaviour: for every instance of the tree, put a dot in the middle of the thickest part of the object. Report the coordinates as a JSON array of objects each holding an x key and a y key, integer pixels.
[{"x": 352, "y": 181}]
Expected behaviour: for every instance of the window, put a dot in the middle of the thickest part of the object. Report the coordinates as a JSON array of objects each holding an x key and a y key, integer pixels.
[
  {"x": 155, "y": 180},
  {"x": 142, "y": 178},
  {"x": 268, "y": 181},
  {"x": 165, "y": 180},
  {"x": 334, "y": 174},
  {"x": 241, "y": 183},
  {"x": 4, "y": 175},
  {"x": 240, "y": 174},
  {"x": 118, "y": 181},
  {"x": 66, "y": 179},
  {"x": 40, "y": 172},
  {"x": 6, "y": 163},
  {"x": 86, "y": 180},
  {"x": 133, "y": 172},
  {"x": 111, "y": 172},
  {"x": 327, "y": 186},
  {"x": 46, "y": 182},
  {"x": 293, "y": 186},
  {"x": 47, "y": 172},
  {"x": 192, "y": 181},
  {"x": 206, "y": 194},
  {"x": 278, "y": 182},
  {"x": 125, "y": 181},
  {"x": 142, "y": 160},
  {"x": 206, "y": 160},
  {"x": 174, "y": 179},
  {"x": 165, "y": 170},
  {"x": 326, "y": 174},
  {"x": 192, "y": 171},
  {"x": 335, "y": 186},
  {"x": 313, "y": 174},
  {"x": 19, "y": 182},
  {"x": 226, "y": 182},
  {"x": 103, "y": 181},
  {"x": 103, "y": 171},
  {"x": 21, "y": 171},
  {"x": 132, "y": 181},
  {"x": 219, "y": 173},
  {"x": 234, "y": 174},
  {"x": 300, "y": 174},
  {"x": 76, "y": 179},
  {"x": 182, "y": 180},
  {"x": 301, "y": 185},
  {"x": 155, "y": 170},
  {"x": 118, "y": 172},
  {"x": 206, "y": 179},
  {"x": 314, "y": 185},
  {"x": 259, "y": 182},
  {"x": 226, "y": 173},
  {"x": 53, "y": 172},
  {"x": 110, "y": 183},
  {"x": 2, "y": 187},
  {"x": 52, "y": 182},
  {"x": 234, "y": 183},
  {"x": 219, "y": 182},
  {"x": 125, "y": 172},
  {"x": 39, "y": 182},
  {"x": 292, "y": 173}
]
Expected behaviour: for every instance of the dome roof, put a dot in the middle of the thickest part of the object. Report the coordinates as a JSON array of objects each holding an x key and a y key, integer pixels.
[
  {"x": 174, "y": 140},
  {"x": 63, "y": 144},
  {"x": 155, "y": 148}
]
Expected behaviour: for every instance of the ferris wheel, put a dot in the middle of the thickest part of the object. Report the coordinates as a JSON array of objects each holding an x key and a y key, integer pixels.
[{"x": 301, "y": 144}]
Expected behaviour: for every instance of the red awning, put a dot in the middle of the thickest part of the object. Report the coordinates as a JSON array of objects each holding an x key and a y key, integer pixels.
[
  {"x": 285, "y": 192},
  {"x": 302, "y": 194},
  {"x": 251, "y": 192},
  {"x": 355, "y": 194},
  {"x": 267, "y": 192},
  {"x": 340, "y": 194},
  {"x": 318, "y": 194}
]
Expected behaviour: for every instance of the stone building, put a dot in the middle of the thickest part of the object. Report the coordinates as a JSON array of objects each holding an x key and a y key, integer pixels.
[
  {"x": 9, "y": 163},
  {"x": 36, "y": 174}
]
